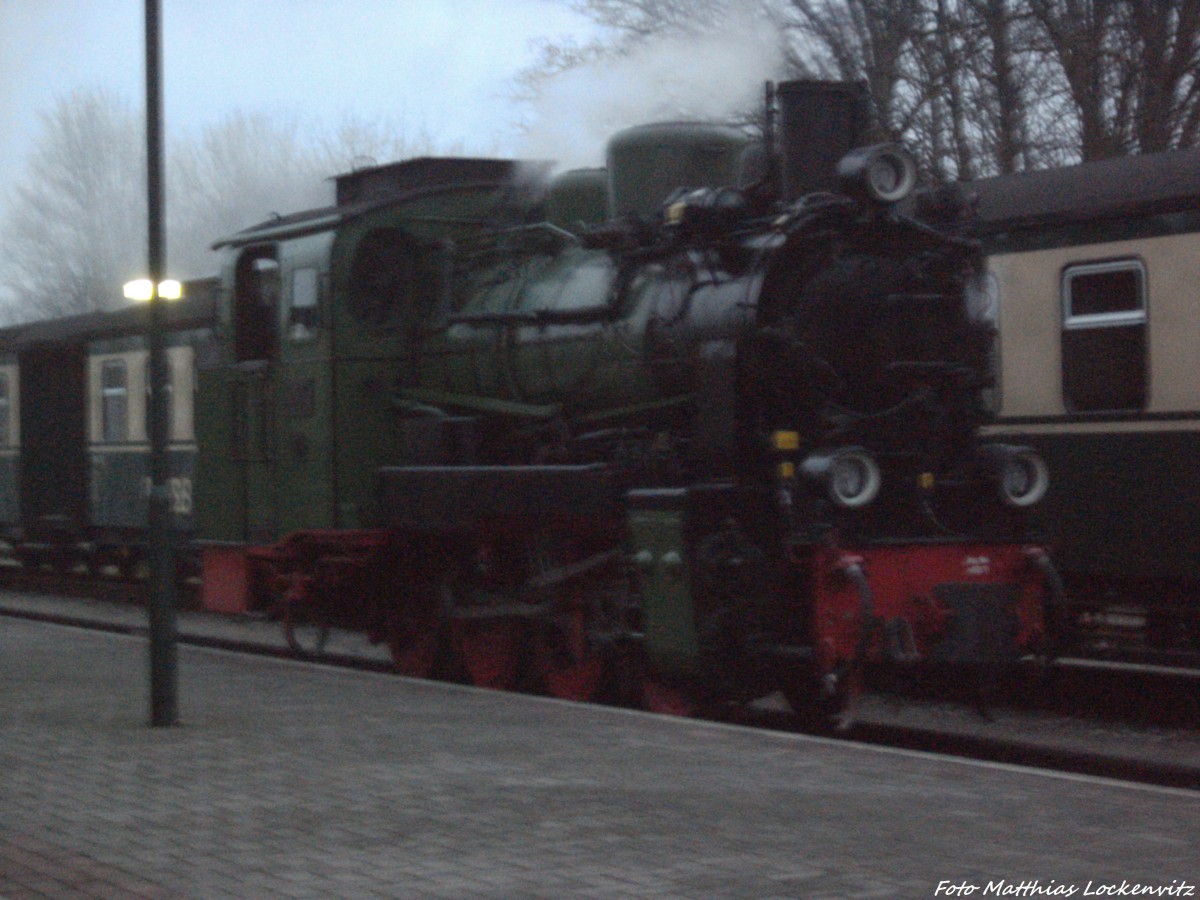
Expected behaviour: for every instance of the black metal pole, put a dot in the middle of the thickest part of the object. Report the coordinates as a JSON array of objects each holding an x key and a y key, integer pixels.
[{"x": 164, "y": 702}]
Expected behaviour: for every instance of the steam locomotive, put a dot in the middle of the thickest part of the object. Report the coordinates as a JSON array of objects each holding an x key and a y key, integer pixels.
[{"x": 693, "y": 428}]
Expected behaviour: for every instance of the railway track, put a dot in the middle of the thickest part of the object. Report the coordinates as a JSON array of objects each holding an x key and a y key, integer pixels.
[{"x": 1057, "y": 724}]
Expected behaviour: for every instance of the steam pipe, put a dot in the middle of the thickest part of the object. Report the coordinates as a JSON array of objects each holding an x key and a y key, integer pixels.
[{"x": 769, "y": 140}]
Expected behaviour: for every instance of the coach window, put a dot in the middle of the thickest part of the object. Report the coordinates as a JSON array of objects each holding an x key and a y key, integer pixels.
[
  {"x": 1104, "y": 336},
  {"x": 114, "y": 402},
  {"x": 169, "y": 406},
  {"x": 5, "y": 412},
  {"x": 302, "y": 319}
]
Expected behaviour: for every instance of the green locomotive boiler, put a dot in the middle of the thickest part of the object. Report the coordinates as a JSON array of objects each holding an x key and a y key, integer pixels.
[{"x": 696, "y": 427}]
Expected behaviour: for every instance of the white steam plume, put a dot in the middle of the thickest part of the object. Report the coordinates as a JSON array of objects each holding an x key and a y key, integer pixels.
[{"x": 706, "y": 77}]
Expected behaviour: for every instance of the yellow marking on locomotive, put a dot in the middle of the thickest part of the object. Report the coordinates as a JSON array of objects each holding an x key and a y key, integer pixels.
[{"x": 786, "y": 440}]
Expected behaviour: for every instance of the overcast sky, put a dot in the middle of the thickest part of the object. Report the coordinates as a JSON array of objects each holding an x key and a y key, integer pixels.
[{"x": 441, "y": 66}]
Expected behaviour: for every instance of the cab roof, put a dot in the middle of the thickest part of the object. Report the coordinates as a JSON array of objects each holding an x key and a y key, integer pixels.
[{"x": 363, "y": 190}]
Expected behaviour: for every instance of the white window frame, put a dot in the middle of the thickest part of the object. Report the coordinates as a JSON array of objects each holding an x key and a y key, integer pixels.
[{"x": 1073, "y": 322}]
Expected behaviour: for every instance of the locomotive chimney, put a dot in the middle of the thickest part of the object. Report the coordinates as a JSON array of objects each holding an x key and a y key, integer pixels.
[{"x": 819, "y": 122}]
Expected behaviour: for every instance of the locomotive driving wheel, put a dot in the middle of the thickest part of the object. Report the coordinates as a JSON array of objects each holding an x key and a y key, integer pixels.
[
  {"x": 483, "y": 639},
  {"x": 412, "y": 629},
  {"x": 305, "y": 625},
  {"x": 487, "y": 653},
  {"x": 521, "y": 617},
  {"x": 826, "y": 703},
  {"x": 566, "y": 662},
  {"x": 581, "y": 595}
]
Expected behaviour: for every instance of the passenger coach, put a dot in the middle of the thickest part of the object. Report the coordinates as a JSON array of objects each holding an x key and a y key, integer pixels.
[
  {"x": 74, "y": 447},
  {"x": 1094, "y": 280}
]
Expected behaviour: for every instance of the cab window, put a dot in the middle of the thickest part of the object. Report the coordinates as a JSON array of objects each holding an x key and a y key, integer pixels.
[
  {"x": 1104, "y": 336},
  {"x": 302, "y": 316}
]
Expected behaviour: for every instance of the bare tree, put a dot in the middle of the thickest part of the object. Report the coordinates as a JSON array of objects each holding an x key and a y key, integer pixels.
[
  {"x": 76, "y": 226},
  {"x": 626, "y": 23},
  {"x": 859, "y": 40},
  {"x": 976, "y": 86},
  {"x": 973, "y": 76},
  {"x": 1083, "y": 39},
  {"x": 979, "y": 75},
  {"x": 75, "y": 231},
  {"x": 959, "y": 80},
  {"x": 1131, "y": 68},
  {"x": 940, "y": 94},
  {"x": 1010, "y": 145},
  {"x": 1164, "y": 71},
  {"x": 634, "y": 20},
  {"x": 236, "y": 173}
]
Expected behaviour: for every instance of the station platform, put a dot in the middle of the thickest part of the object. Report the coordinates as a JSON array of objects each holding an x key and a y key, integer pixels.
[
  {"x": 291, "y": 780},
  {"x": 1166, "y": 754}
]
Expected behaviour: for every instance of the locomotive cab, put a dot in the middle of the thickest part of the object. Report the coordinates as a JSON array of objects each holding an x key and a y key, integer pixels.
[{"x": 319, "y": 320}]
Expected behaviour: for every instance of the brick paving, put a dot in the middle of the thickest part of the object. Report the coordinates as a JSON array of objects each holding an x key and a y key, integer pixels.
[
  {"x": 1158, "y": 747},
  {"x": 34, "y": 868},
  {"x": 294, "y": 781}
]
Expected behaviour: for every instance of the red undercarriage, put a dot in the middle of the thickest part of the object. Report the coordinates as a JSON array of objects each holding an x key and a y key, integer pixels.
[
  {"x": 920, "y": 596},
  {"x": 958, "y": 602}
]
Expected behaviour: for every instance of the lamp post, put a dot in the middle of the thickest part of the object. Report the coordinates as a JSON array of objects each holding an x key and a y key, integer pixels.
[{"x": 164, "y": 702}]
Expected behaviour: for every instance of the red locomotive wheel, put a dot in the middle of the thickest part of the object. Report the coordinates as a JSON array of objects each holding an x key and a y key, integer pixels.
[
  {"x": 488, "y": 653},
  {"x": 660, "y": 697},
  {"x": 827, "y": 703},
  {"x": 412, "y": 639},
  {"x": 580, "y": 682},
  {"x": 415, "y": 657},
  {"x": 568, "y": 666}
]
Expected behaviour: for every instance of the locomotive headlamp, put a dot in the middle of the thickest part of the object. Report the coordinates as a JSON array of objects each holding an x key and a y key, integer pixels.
[
  {"x": 850, "y": 475},
  {"x": 885, "y": 173},
  {"x": 1020, "y": 472}
]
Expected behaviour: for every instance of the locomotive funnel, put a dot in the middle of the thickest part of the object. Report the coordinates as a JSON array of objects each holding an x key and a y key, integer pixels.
[{"x": 820, "y": 122}]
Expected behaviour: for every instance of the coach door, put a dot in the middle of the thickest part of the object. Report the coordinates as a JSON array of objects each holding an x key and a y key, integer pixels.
[{"x": 53, "y": 486}]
